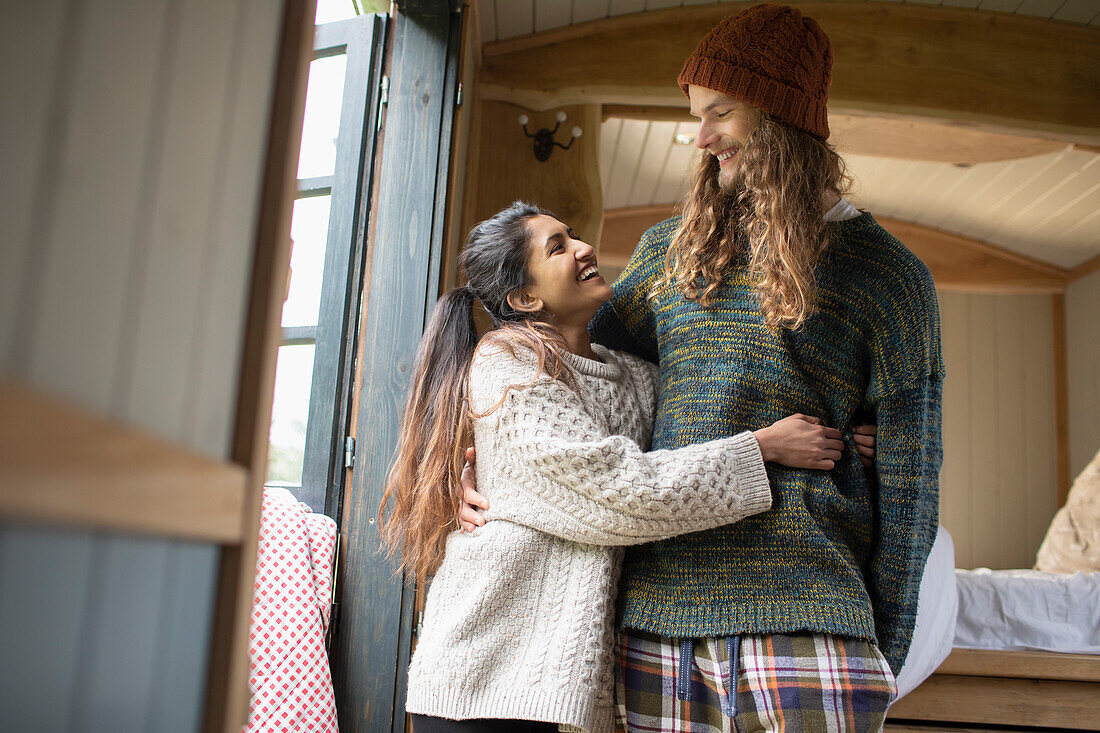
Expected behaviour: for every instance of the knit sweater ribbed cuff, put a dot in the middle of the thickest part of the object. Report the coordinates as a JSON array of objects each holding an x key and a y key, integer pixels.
[{"x": 565, "y": 706}]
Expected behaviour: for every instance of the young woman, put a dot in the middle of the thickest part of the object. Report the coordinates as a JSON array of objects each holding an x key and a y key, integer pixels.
[{"x": 518, "y": 626}]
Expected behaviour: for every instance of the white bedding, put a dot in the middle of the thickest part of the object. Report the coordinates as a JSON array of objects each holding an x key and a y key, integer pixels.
[
  {"x": 935, "y": 627},
  {"x": 1028, "y": 610}
]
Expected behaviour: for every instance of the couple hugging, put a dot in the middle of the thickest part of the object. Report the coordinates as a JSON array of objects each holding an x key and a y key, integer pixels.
[{"x": 708, "y": 491}]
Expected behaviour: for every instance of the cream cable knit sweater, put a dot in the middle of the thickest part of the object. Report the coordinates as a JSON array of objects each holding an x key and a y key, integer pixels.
[{"x": 519, "y": 617}]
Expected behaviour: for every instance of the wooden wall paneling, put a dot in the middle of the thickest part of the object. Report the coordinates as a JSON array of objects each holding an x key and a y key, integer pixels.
[
  {"x": 61, "y": 465},
  {"x": 887, "y": 137},
  {"x": 997, "y": 484},
  {"x": 623, "y": 229},
  {"x": 955, "y": 484},
  {"x": 567, "y": 184},
  {"x": 1082, "y": 311},
  {"x": 370, "y": 650},
  {"x": 216, "y": 352},
  {"x": 1068, "y": 208},
  {"x": 622, "y": 7},
  {"x": 1013, "y": 431},
  {"x": 163, "y": 294},
  {"x": 447, "y": 131},
  {"x": 957, "y": 263},
  {"x": 1021, "y": 205},
  {"x": 187, "y": 608},
  {"x": 31, "y": 53},
  {"x": 44, "y": 585},
  {"x": 287, "y": 52},
  {"x": 472, "y": 192},
  {"x": 487, "y": 19},
  {"x": 609, "y": 143},
  {"x": 985, "y": 474},
  {"x": 1084, "y": 269},
  {"x": 462, "y": 160},
  {"x": 651, "y": 159},
  {"x": 552, "y": 13},
  {"x": 977, "y": 61},
  {"x": 624, "y": 170},
  {"x": 657, "y": 163},
  {"x": 678, "y": 167},
  {"x": 88, "y": 234},
  {"x": 1039, "y": 402},
  {"x": 121, "y": 623},
  {"x": 1076, "y": 11},
  {"x": 1007, "y": 192},
  {"x": 515, "y": 18},
  {"x": 1061, "y": 405},
  {"x": 591, "y": 10},
  {"x": 962, "y": 263}
]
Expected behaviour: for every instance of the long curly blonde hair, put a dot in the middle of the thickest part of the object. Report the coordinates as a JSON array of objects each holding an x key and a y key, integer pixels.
[{"x": 775, "y": 207}]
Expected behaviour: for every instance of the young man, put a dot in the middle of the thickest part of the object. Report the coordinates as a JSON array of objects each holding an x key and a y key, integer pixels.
[{"x": 772, "y": 295}]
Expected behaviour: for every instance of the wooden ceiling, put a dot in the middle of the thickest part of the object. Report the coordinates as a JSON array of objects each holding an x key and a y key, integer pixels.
[{"x": 974, "y": 117}]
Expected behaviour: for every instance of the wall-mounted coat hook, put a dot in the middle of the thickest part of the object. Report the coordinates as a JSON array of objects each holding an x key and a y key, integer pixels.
[{"x": 544, "y": 138}]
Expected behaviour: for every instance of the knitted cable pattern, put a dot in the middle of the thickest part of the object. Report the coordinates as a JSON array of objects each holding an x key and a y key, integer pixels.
[
  {"x": 836, "y": 554},
  {"x": 518, "y": 620}
]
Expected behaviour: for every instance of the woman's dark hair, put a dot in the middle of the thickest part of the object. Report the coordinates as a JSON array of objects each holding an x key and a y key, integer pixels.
[{"x": 437, "y": 425}]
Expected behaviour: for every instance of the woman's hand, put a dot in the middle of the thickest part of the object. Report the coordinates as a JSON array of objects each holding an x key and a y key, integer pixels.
[
  {"x": 864, "y": 437},
  {"x": 800, "y": 441},
  {"x": 468, "y": 517}
]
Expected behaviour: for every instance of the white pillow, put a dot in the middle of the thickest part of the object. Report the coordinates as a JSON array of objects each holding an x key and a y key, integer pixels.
[{"x": 1072, "y": 543}]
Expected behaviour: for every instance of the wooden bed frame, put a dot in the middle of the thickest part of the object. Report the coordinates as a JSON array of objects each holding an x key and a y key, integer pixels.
[{"x": 995, "y": 688}]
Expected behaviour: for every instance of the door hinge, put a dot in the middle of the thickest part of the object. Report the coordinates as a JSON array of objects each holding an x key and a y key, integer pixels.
[
  {"x": 383, "y": 100},
  {"x": 349, "y": 452},
  {"x": 458, "y": 96}
]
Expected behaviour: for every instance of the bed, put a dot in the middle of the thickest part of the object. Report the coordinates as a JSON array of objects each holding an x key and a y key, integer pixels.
[{"x": 1026, "y": 653}]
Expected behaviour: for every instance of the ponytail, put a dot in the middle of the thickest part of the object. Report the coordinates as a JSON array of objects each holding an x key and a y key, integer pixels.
[
  {"x": 437, "y": 425},
  {"x": 436, "y": 429}
]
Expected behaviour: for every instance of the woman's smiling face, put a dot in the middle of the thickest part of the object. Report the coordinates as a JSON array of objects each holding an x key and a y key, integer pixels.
[{"x": 564, "y": 281}]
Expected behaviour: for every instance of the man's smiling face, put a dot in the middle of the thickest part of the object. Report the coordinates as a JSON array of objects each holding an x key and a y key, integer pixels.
[{"x": 724, "y": 125}]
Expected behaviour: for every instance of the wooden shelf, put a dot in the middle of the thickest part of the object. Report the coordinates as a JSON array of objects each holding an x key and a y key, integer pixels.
[{"x": 61, "y": 465}]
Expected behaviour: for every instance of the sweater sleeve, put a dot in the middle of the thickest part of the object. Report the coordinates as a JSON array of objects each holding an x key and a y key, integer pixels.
[
  {"x": 905, "y": 396},
  {"x": 626, "y": 322},
  {"x": 909, "y": 454},
  {"x": 557, "y": 471}
]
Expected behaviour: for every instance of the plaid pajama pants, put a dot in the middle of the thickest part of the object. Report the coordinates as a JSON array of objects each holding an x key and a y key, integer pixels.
[{"x": 804, "y": 683}]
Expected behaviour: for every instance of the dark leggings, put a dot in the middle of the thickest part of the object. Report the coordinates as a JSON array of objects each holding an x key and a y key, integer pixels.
[{"x": 428, "y": 724}]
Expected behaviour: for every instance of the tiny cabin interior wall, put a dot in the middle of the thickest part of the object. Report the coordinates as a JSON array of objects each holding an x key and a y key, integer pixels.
[
  {"x": 1083, "y": 369},
  {"x": 134, "y": 147},
  {"x": 1007, "y": 461}
]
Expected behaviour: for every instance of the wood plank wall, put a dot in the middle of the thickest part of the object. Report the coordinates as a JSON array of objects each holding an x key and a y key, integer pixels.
[
  {"x": 1083, "y": 370},
  {"x": 132, "y": 149},
  {"x": 998, "y": 483}
]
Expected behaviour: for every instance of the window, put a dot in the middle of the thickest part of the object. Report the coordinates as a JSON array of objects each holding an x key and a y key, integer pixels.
[{"x": 310, "y": 417}]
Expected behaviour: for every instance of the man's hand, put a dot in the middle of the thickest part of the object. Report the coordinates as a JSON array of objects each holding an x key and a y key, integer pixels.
[
  {"x": 864, "y": 437},
  {"x": 468, "y": 517}
]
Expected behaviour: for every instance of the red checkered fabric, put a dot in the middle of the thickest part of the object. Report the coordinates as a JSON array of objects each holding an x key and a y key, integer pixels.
[{"x": 289, "y": 676}]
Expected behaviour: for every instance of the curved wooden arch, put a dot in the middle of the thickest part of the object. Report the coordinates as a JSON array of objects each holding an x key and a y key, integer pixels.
[{"x": 993, "y": 71}]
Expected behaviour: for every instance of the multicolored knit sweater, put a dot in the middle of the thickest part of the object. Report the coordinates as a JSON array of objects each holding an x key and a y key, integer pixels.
[{"x": 838, "y": 553}]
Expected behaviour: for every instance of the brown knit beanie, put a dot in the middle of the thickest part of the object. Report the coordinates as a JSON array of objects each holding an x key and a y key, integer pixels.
[{"x": 772, "y": 57}]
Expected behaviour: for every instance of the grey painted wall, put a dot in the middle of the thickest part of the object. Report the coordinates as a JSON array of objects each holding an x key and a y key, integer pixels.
[{"x": 132, "y": 135}]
